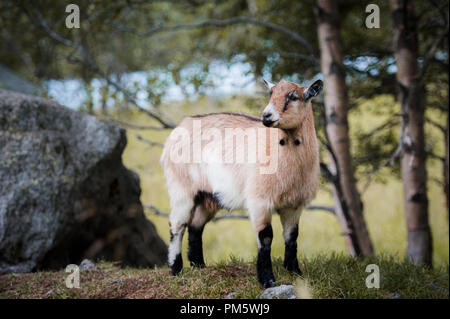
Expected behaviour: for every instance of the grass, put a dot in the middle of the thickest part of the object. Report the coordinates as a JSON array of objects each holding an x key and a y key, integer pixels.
[{"x": 332, "y": 276}]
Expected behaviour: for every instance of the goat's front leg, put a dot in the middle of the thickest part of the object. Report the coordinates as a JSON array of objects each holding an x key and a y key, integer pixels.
[
  {"x": 289, "y": 220},
  {"x": 261, "y": 220},
  {"x": 179, "y": 218},
  {"x": 264, "y": 262}
]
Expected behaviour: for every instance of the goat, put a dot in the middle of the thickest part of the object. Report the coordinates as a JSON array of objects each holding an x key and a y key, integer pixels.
[{"x": 199, "y": 187}]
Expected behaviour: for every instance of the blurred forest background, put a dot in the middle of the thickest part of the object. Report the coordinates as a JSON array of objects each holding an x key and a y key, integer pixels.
[{"x": 144, "y": 65}]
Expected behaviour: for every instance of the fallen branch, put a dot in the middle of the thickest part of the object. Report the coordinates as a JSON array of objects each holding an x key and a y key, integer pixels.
[
  {"x": 134, "y": 126},
  {"x": 149, "y": 142},
  {"x": 158, "y": 212}
]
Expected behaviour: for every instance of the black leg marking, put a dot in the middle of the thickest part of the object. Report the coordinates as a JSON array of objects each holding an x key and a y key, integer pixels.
[
  {"x": 195, "y": 251},
  {"x": 177, "y": 265},
  {"x": 290, "y": 253},
  {"x": 264, "y": 263}
]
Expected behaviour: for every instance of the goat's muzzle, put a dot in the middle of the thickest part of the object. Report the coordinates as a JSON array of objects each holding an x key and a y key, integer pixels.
[{"x": 267, "y": 119}]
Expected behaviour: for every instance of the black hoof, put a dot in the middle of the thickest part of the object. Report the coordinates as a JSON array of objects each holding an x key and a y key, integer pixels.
[
  {"x": 268, "y": 284},
  {"x": 296, "y": 270},
  {"x": 177, "y": 265},
  {"x": 293, "y": 269}
]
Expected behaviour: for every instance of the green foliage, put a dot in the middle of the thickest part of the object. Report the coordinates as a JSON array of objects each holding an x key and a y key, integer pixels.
[{"x": 374, "y": 133}]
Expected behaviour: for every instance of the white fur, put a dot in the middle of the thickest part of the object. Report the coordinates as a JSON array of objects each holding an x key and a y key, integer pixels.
[
  {"x": 175, "y": 247},
  {"x": 223, "y": 183},
  {"x": 270, "y": 108}
]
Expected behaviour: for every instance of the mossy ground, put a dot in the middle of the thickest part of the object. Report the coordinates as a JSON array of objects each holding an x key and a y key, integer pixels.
[{"x": 334, "y": 276}]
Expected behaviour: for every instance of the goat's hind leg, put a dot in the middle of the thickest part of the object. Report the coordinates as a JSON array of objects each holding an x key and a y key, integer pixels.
[{"x": 195, "y": 251}]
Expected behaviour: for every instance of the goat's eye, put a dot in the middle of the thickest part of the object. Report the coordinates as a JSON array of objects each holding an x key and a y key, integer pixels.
[
  {"x": 270, "y": 93},
  {"x": 291, "y": 96}
]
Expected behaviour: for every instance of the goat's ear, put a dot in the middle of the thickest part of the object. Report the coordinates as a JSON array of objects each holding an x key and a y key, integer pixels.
[
  {"x": 268, "y": 84},
  {"x": 313, "y": 90}
]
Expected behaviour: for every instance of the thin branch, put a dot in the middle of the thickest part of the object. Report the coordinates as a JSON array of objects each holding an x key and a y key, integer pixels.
[
  {"x": 328, "y": 209},
  {"x": 435, "y": 156},
  {"x": 158, "y": 212},
  {"x": 134, "y": 126},
  {"x": 389, "y": 162},
  {"x": 358, "y": 160},
  {"x": 220, "y": 24},
  {"x": 333, "y": 178},
  {"x": 399, "y": 148},
  {"x": 428, "y": 57},
  {"x": 438, "y": 181},
  {"x": 289, "y": 55},
  {"x": 229, "y": 216},
  {"x": 439, "y": 107},
  {"x": 91, "y": 63},
  {"x": 327, "y": 173},
  {"x": 149, "y": 142},
  {"x": 387, "y": 124},
  {"x": 128, "y": 96},
  {"x": 440, "y": 7},
  {"x": 435, "y": 124}
]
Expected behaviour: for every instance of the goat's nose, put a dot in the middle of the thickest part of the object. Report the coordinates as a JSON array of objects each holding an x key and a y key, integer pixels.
[{"x": 267, "y": 115}]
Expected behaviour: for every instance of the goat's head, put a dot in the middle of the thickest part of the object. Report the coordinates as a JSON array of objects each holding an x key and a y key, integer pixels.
[{"x": 288, "y": 103}]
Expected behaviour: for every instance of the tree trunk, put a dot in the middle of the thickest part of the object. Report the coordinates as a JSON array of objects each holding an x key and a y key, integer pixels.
[
  {"x": 344, "y": 220},
  {"x": 336, "y": 105},
  {"x": 411, "y": 97},
  {"x": 446, "y": 167}
]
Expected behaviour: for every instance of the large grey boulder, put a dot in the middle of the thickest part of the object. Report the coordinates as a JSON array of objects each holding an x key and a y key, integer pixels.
[{"x": 64, "y": 193}]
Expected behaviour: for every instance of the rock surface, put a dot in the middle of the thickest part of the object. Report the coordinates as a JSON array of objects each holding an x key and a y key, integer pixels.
[
  {"x": 279, "y": 292},
  {"x": 86, "y": 264},
  {"x": 64, "y": 193},
  {"x": 231, "y": 295}
]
